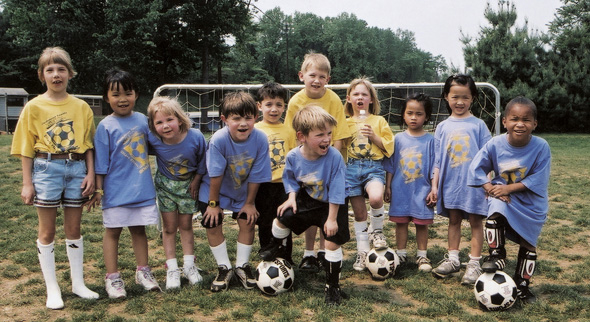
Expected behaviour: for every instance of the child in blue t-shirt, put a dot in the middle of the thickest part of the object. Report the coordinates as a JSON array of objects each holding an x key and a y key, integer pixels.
[
  {"x": 457, "y": 140},
  {"x": 411, "y": 188},
  {"x": 237, "y": 162},
  {"x": 123, "y": 175},
  {"x": 180, "y": 154},
  {"x": 517, "y": 194},
  {"x": 314, "y": 179}
]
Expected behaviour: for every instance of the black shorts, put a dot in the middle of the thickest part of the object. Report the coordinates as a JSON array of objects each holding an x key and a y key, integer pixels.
[
  {"x": 269, "y": 197},
  {"x": 312, "y": 212}
]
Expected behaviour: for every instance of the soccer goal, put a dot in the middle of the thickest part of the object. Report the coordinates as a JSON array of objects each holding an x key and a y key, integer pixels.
[{"x": 201, "y": 101}]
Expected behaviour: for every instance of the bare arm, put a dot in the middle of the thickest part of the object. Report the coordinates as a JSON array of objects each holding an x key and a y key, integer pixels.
[{"x": 28, "y": 192}]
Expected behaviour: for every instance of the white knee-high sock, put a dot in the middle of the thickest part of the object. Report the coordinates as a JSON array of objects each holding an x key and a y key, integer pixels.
[
  {"x": 220, "y": 254},
  {"x": 362, "y": 236},
  {"x": 47, "y": 261},
  {"x": 75, "y": 250}
]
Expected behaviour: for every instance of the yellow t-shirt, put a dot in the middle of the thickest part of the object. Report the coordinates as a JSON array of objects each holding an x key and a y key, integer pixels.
[
  {"x": 329, "y": 102},
  {"x": 56, "y": 127},
  {"x": 370, "y": 151},
  {"x": 281, "y": 139}
]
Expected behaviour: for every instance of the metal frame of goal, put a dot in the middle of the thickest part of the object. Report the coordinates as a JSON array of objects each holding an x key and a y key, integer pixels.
[{"x": 201, "y": 101}]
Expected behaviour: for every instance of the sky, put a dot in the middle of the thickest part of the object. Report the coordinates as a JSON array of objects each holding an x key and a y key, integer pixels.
[{"x": 437, "y": 24}]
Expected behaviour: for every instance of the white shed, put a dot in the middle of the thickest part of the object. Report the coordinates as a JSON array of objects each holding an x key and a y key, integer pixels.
[{"x": 12, "y": 101}]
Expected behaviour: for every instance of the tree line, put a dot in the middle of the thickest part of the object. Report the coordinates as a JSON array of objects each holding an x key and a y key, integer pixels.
[{"x": 231, "y": 41}]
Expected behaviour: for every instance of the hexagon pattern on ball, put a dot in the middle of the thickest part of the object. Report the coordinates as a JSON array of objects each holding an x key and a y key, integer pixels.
[{"x": 274, "y": 277}]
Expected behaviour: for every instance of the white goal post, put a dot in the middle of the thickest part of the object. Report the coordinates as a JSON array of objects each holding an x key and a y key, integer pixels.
[{"x": 201, "y": 101}]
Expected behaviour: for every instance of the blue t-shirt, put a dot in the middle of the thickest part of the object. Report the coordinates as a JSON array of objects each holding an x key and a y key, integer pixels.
[
  {"x": 412, "y": 166},
  {"x": 324, "y": 179},
  {"x": 530, "y": 165},
  {"x": 121, "y": 155},
  {"x": 239, "y": 163},
  {"x": 456, "y": 143},
  {"x": 183, "y": 160}
]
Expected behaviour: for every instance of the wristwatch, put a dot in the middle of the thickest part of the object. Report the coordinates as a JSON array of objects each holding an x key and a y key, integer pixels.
[{"x": 213, "y": 203}]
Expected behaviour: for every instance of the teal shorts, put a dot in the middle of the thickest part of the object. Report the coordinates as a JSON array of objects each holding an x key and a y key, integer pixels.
[{"x": 173, "y": 195}]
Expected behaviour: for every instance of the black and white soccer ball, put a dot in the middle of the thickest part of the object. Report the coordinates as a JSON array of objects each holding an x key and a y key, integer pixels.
[
  {"x": 382, "y": 263},
  {"x": 495, "y": 291},
  {"x": 274, "y": 277}
]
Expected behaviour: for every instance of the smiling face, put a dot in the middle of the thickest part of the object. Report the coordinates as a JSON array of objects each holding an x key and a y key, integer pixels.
[
  {"x": 168, "y": 128},
  {"x": 315, "y": 81},
  {"x": 272, "y": 109},
  {"x": 360, "y": 99},
  {"x": 459, "y": 99},
  {"x": 121, "y": 101},
  {"x": 239, "y": 126},
  {"x": 56, "y": 76},
  {"x": 316, "y": 143},
  {"x": 414, "y": 117},
  {"x": 520, "y": 123}
]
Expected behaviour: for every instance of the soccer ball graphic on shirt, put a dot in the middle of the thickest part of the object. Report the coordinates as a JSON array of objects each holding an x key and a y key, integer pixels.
[
  {"x": 274, "y": 277},
  {"x": 382, "y": 263},
  {"x": 495, "y": 291}
]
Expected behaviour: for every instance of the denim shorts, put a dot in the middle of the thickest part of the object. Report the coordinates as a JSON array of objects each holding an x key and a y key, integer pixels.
[
  {"x": 58, "y": 182},
  {"x": 359, "y": 172}
]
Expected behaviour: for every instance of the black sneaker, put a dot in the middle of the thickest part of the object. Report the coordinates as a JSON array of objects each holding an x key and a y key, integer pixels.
[
  {"x": 333, "y": 295},
  {"x": 525, "y": 295},
  {"x": 271, "y": 251},
  {"x": 221, "y": 282},
  {"x": 245, "y": 276},
  {"x": 309, "y": 263},
  {"x": 493, "y": 263}
]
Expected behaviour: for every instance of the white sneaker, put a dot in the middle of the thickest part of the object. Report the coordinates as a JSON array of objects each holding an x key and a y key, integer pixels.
[
  {"x": 145, "y": 278},
  {"x": 193, "y": 275},
  {"x": 115, "y": 287},
  {"x": 359, "y": 264},
  {"x": 446, "y": 267},
  {"x": 472, "y": 272},
  {"x": 378, "y": 239},
  {"x": 172, "y": 279},
  {"x": 423, "y": 264},
  {"x": 245, "y": 276}
]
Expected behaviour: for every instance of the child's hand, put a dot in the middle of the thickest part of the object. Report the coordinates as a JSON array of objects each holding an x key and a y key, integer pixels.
[
  {"x": 251, "y": 213},
  {"x": 387, "y": 194},
  {"x": 500, "y": 191},
  {"x": 211, "y": 215},
  {"x": 286, "y": 205},
  {"x": 27, "y": 194},
  {"x": 88, "y": 185},
  {"x": 193, "y": 189},
  {"x": 330, "y": 228},
  {"x": 432, "y": 197},
  {"x": 93, "y": 202},
  {"x": 367, "y": 131}
]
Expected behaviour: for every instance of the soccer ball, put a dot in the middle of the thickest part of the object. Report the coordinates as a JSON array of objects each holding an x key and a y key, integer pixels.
[
  {"x": 381, "y": 263},
  {"x": 274, "y": 277},
  {"x": 495, "y": 291}
]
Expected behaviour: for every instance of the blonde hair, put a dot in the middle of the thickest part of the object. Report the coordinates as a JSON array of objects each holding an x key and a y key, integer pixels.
[
  {"x": 374, "y": 107},
  {"x": 316, "y": 60},
  {"x": 312, "y": 117},
  {"x": 54, "y": 55},
  {"x": 168, "y": 106}
]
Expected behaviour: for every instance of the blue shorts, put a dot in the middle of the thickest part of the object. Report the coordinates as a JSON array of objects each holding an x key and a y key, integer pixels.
[
  {"x": 359, "y": 172},
  {"x": 58, "y": 182}
]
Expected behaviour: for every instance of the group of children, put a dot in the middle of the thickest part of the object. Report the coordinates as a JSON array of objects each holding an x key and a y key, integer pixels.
[{"x": 284, "y": 177}]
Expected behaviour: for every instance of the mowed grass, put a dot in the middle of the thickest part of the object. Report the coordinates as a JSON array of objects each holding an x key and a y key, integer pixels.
[{"x": 561, "y": 280}]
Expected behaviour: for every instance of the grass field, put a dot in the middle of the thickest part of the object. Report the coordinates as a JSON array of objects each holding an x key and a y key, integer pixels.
[{"x": 561, "y": 280}]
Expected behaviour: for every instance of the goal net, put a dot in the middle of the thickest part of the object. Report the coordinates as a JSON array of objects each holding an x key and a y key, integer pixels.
[{"x": 201, "y": 102}]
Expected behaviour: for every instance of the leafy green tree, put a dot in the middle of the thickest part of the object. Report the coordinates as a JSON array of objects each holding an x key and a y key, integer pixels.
[
  {"x": 508, "y": 56},
  {"x": 569, "y": 97}
]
